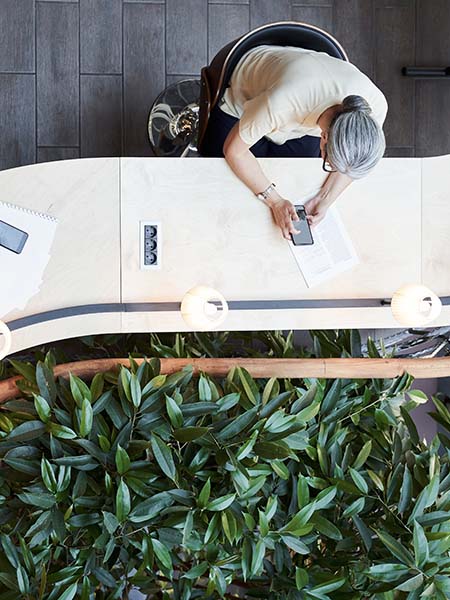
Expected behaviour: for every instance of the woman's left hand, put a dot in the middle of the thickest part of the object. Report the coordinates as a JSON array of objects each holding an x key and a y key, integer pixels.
[{"x": 316, "y": 209}]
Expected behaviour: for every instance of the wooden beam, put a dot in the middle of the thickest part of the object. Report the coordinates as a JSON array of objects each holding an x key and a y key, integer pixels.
[{"x": 294, "y": 368}]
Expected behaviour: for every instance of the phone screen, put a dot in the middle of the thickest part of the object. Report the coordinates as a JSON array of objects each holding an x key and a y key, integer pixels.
[
  {"x": 12, "y": 238},
  {"x": 304, "y": 237}
]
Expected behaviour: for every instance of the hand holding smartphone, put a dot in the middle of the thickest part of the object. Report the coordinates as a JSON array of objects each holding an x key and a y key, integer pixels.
[{"x": 304, "y": 235}]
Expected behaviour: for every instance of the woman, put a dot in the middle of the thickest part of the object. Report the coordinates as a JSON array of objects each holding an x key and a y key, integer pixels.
[{"x": 286, "y": 101}]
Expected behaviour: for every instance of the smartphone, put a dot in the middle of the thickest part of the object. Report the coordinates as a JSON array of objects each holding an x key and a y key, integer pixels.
[
  {"x": 304, "y": 236},
  {"x": 12, "y": 238}
]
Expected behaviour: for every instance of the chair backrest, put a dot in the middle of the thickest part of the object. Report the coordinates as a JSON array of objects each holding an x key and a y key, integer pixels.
[{"x": 216, "y": 76}]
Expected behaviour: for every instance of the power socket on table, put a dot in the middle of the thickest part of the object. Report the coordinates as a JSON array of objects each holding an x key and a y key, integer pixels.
[{"x": 150, "y": 245}]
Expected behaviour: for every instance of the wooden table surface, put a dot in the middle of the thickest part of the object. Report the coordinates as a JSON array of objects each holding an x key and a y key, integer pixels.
[{"x": 216, "y": 233}]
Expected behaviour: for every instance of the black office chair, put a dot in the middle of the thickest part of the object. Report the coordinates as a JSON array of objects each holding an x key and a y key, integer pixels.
[{"x": 177, "y": 127}]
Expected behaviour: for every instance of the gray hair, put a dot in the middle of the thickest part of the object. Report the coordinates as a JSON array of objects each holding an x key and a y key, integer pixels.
[{"x": 355, "y": 140}]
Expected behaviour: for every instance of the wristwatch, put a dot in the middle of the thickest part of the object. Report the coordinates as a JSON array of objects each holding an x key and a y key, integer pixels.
[{"x": 266, "y": 193}]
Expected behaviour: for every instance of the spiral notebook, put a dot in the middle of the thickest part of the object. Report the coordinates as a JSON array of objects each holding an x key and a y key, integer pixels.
[{"x": 21, "y": 274}]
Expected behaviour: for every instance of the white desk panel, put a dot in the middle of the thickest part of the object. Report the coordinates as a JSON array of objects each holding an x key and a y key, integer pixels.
[
  {"x": 65, "y": 328},
  {"x": 84, "y": 267},
  {"x": 216, "y": 233},
  {"x": 436, "y": 224}
]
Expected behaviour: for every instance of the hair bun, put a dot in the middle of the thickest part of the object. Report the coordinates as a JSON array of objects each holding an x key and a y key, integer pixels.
[{"x": 356, "y": 103}]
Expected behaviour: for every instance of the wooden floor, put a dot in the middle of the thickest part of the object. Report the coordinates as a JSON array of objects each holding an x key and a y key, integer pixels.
[{"x": 77, "y": 77}]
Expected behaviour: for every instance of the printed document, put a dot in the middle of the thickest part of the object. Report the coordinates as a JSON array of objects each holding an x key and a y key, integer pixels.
[{"x": 332, "y": 252}]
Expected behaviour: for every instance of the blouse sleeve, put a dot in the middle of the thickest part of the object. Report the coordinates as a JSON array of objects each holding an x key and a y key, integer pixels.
[{"x": 258, "y": 119}]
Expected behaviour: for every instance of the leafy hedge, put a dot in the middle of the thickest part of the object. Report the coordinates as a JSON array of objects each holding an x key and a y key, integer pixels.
[{"x": 188, "y": 487}]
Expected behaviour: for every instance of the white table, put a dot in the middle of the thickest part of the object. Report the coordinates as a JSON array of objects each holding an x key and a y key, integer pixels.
[{"x": 216, "y": 233}]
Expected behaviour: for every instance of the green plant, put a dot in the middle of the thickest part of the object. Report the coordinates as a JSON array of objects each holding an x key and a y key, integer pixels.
[{"x": 199, "y": 488}]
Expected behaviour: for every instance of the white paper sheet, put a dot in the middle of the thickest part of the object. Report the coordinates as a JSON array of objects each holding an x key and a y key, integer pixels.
[
  {"x": 332, "y": 252},
  {"x": 21, "y": 274}
]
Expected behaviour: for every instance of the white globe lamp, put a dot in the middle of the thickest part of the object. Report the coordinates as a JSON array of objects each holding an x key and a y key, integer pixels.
[
  {"x": 5, "y": 340},
  {"x": 414, "y": 304},
  {"x": 203, "y": 308}
]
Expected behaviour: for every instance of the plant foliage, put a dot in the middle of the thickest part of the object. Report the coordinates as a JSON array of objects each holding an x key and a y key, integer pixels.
[{"x": 188, "y": 487}]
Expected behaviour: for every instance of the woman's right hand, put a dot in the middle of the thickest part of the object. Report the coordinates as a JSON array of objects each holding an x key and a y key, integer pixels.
[{"x": 284, "y": 213}]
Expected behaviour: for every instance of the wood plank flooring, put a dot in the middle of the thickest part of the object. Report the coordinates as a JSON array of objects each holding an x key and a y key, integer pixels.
[{"x": 78, "y": 77}]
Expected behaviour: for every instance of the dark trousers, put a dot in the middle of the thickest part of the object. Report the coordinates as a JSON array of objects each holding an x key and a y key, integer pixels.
[{"x": 220, "y": 125}]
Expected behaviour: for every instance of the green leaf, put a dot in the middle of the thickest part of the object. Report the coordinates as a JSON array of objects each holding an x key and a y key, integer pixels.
[
  {"x": 301, "y": 578},
  {"x": 96, "y": 388},
  {"x": 411, "y": 584},
  {"x": 300, "y": 519},
  {"x": 203, "y": 497},
  {"x": 246, "y": 558},
  {"x": 135, "y": 388},
  {"x": 359, "y": 480},
  {"x": 29, "y": 430},
  {"x": 426, "y": 498},
  {"x": 42, "y": 408},
  {"x": 257, "y": 558},
  {"x": 274, "y": 404},
  {"x": 123, "y": 502},
  {"x": 204, "y": 390},
  {"x": 355, "y": 508},
  {"x": 174, "y": 412},
  {"x": 331, "y": 398},
  {"x": 221, "y": 503},
  {"x": 163, "y": 456},
  {"x": 249, "y": 385},
  {"x": 329, "y": 586},
  {"x": 189, "y": 434},
  {"x": 228, "y": 401},
  {"x": 247, "y": 447},
  {"x": 46, "y": 382},
  {"x": 79, "y": 390},
  {"x": 309, "y": 412},
  {"x": 187, "y": 530},
  {"x": 271, "y": 389},
  {"x": 302, "y": 492},
  {"x": 149, "y": 508},
  {"x": 421, "y": 551},
  {"x": 212, "y": 531},
  {"x": 69, "y": 593},
  {"x": 405, "y": 492},
  {"x": 41, "y": 500},
  {"x": 196, "y": 571},
  {"x": 295, "y": 544},
  {"x": 238, "y": 425},
  {"x": 10, "y": 551},
  {"x": 26, "y": 369},
  {"x": 263, "y": 524},
  {"x": 324, "y": 497},
  {"x": 61, "y": 431},
  {"x": 162, "y": 553},
  {"x": 355, "y": 343},
  {"x": 22, "y": 580},
  {"x": 396, "y": 548},
  {"x": 122, "y": 460},
  {"x": 48, "y": 476},
  {"x": 86, "y": 418},
  {"x": 387, "y": 572},
  {"x": 272, "y": 450},
  {"x": 326, "y": 528},
  {"x": 110, "y": 521},
  {"x": 363, "y": 455},
  {"x": 280, "y": 469}
]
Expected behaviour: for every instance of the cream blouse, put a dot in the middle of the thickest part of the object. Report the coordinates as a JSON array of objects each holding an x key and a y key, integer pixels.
[{"x": 279, "y": 92}]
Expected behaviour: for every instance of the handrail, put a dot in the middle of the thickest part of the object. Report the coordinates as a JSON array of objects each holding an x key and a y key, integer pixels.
[{"x": 294, "y": 368}]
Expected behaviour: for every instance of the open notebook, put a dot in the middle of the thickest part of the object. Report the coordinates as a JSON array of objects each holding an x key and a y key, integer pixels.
[
  {"x": 21, "y": 274},
  {"x": 332, "y": 251}
]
